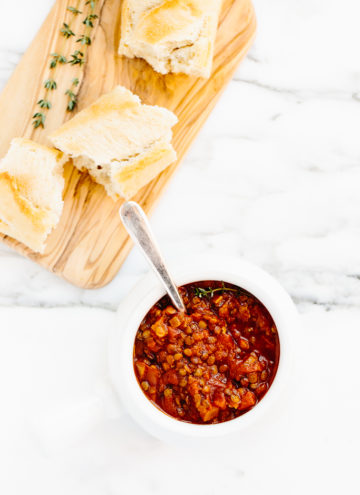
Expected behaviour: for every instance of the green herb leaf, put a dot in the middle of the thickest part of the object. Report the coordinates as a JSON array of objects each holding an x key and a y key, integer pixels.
[
  {"x": 74, "y": 10},
  {"x": 44, "y": 104},
  {"x": 39, "y": 120},
  {"x": 70, "y": 93},
  {"x": 84, "y": 40},
  {"x": 75, "y": 81},
  {"x": 88, "y": 21},
  {"x": 72, "y": 100},
  {"x": 77, "y": 58},
  {"x": 71, "y": 105},
  {"x": 66, "y": 31},
  {"x": 91, "y": 3},
  {"x": 50, "y": 84},
  {"x": 200, "y": 292},
  {"x": 57, "y": 58}
]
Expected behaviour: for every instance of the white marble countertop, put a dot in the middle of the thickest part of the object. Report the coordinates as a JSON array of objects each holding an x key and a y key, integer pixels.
[{"x": 278, "y": 169}]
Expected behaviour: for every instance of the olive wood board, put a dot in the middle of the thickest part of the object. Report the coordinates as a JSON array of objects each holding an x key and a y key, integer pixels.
[{"x": 89, "y": 244}]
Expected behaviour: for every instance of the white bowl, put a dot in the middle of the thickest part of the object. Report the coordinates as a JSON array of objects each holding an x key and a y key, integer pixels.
[{"x": 147, "y": 292}]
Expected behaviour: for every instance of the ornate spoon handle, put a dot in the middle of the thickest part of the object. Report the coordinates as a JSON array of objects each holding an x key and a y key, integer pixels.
[{"x": 137, "y": 225}]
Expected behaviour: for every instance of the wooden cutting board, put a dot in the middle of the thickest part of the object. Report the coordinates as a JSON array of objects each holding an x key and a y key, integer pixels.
[{"x": 89, "y": 245}]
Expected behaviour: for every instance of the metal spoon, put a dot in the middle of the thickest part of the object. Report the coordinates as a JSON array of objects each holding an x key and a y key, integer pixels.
[{"x": 138, "y": 227}]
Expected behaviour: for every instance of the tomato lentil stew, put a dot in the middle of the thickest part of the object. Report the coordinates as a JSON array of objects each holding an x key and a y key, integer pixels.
[{"x": 212, "y": 364}]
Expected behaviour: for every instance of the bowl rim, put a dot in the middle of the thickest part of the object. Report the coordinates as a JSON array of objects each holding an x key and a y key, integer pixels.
[{"x": 148, "y": 291}]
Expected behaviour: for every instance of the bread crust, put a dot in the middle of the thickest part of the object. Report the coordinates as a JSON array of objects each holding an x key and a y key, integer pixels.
[
  {"x": 171, "y": 35},
  {"x": 121, "y": 142},
  {"x": 23, "y": 215},
  {"x": 143, "y": 168}
]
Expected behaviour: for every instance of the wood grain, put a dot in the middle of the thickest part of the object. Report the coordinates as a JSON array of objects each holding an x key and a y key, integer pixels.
[{"x": 89, "y": 245}]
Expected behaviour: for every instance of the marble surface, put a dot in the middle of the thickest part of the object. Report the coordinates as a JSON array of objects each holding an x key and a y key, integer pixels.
[{"x": 274, "y": 178}]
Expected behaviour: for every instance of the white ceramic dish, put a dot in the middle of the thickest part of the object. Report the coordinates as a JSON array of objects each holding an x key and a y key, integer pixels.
[{"x": 147, "y": 292}]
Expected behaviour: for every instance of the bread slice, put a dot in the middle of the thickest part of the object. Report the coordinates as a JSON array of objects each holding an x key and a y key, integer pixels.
[
  {"x": 122, "y": 143},
  {"x": 31, "y": 185},
  {"x": 171, "y": 35}
]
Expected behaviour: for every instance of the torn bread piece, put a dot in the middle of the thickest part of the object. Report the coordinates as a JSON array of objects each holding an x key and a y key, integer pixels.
[
  {"x": 31, "y": 186},
  {"x": 171, "y": 35},
  {"x": 122, "y": 143}
]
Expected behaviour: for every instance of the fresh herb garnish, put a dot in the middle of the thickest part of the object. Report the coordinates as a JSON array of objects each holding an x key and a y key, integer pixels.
[
  {"x": 56, "y": 58},
  {"x": 88, "y": 21},
  {"x": 72, "y": 100},
  {"x": 77, "y": 58},
  {"x": 72, "y": 96},
  {"x": 44, "y": 104},
  {"x": 200, "y": 292},
  {"x": 50, "y": 84},
  {"x": 74, "y": 10},
  {"x": 39, "y": 120},
  {"x": 84, "y": 40},
  {"x": 66, "y": 30},
  {"x": 91, "y": 3}
]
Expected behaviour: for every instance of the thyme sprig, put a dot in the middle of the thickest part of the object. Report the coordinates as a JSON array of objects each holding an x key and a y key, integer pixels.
[
  {"x": 39, "y": 120},
  {"x": 72, "y": 96},
  {"x": 72, "y": 100},
  {"x": 50, "y": 84},
  {"x": 44, "y": 104},
  {"x": 200, "y": 292},
  {"x": 56, "y": 58},
  {"x": 77, "y": 58},
  {"x": 74, "y": 10},
  {"x": 84, "y": 40},
  {"x": 88, "y": 21},
  {"x": 66, "y": 30}
]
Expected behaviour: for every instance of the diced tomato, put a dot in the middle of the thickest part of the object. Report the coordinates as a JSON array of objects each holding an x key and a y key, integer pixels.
[
  {"x": 173, "y": 334},
  {"x": 170, "y": 377},
  {"x": 240, "y": 367},
  {"x": 247, "y": 400},
  {"x": 169, "y": 405},
  {"x": 219, "y": 399}
]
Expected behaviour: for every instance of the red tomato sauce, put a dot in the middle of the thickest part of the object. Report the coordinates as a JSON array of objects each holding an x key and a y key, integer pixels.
[{"x": 213, "y": 363}]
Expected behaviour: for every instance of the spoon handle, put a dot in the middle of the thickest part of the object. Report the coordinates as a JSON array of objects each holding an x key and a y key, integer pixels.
[{"x": 137, "y": 225}]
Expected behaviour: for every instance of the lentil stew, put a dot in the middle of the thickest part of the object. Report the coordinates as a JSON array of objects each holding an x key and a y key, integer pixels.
[{"x": 212, "y": 364}]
